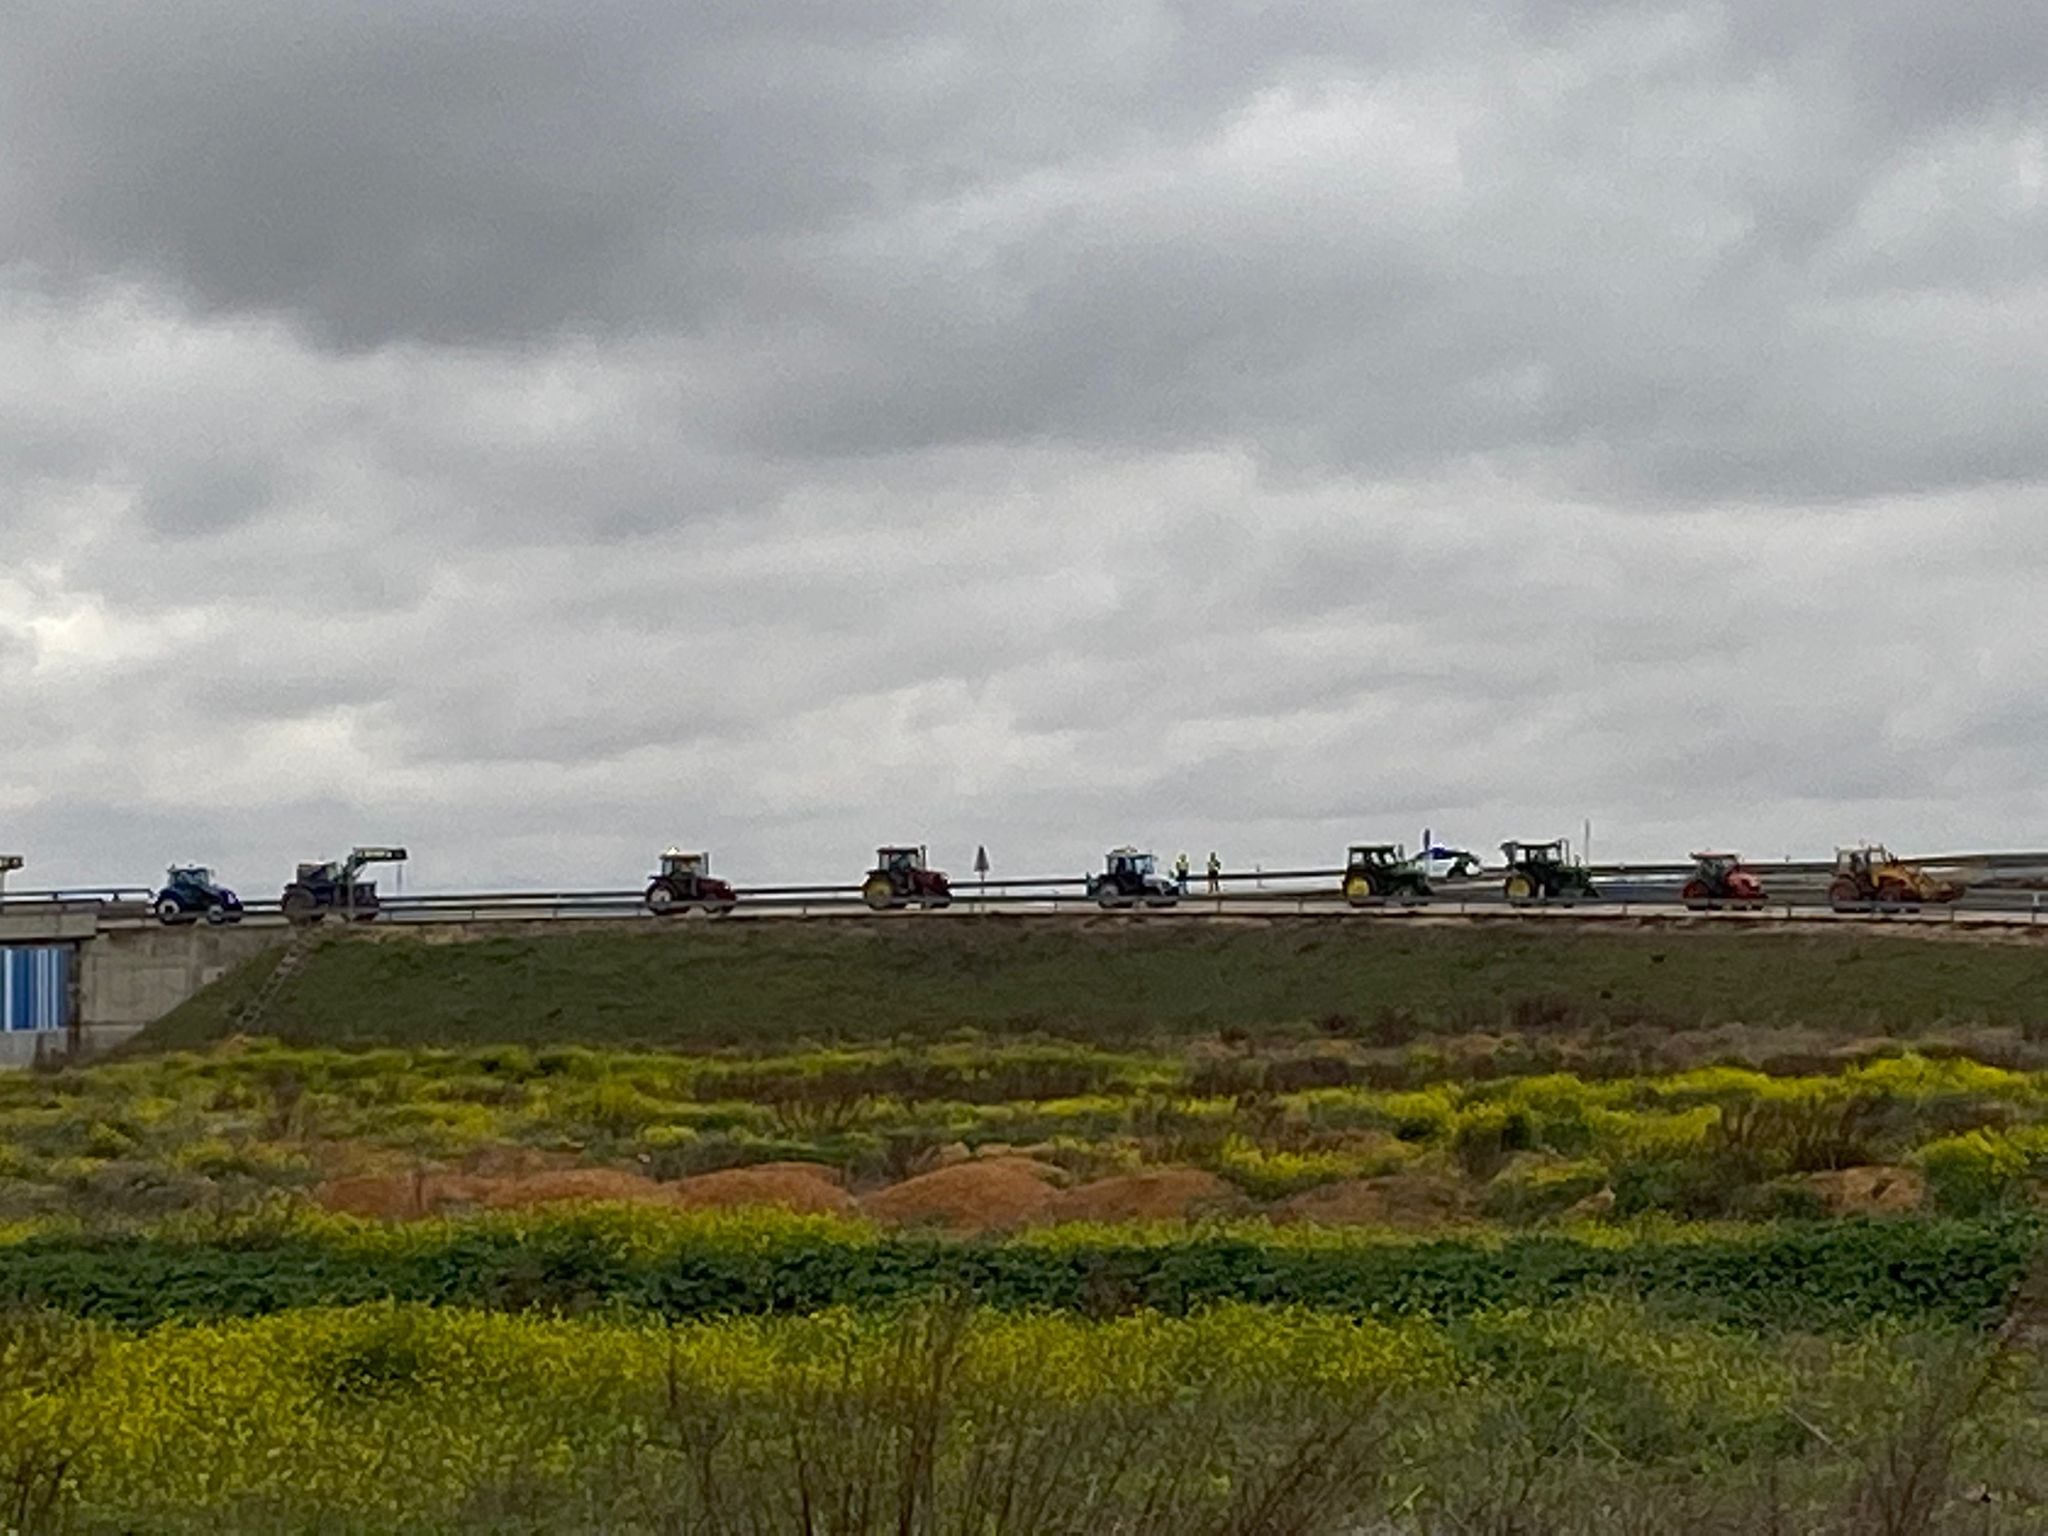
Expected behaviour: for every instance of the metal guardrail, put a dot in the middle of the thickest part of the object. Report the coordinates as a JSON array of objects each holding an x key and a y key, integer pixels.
[{"x": 1795, "y": 885}]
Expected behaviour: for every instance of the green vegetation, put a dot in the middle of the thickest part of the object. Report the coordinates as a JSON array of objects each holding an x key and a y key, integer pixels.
[
  {"x": 150, "y": 1136},
  {"x": 1820, "y": 1277},
  {"x": 767, "y": 986},
  {"x": 1655, "y": 1232},
  {"x": 1239, "y": 1422}
]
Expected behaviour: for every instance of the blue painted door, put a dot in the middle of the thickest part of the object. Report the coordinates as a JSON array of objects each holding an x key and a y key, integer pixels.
[{"x": 35, "y": 987}]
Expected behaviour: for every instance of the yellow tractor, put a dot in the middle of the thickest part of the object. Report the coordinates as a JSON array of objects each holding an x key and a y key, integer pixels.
[{"x": 1871, "y": 878}]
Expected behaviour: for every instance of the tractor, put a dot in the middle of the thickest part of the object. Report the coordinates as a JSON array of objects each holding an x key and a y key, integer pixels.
[
  {"x": 685, "y": 881},
  {"x": 318, "y": 889},
  {"x": 1544, "y": 872},
  {"x": 1130, "y": 878},
  {"x": 190, "y": 892},
  {"x": 1380, "y": 872},
  {"x": 1871, "y": 878},
  {"x": 902, "y": 877},
  {"x": 1721, "y": 881}
]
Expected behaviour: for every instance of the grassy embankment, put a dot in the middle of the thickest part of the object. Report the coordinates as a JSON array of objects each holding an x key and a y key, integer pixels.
[{"x": 701, "y": 987}]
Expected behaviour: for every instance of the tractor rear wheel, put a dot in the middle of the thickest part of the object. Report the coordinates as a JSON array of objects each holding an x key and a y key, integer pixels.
[
  {"x": 661, "y": 898},
  {"x": 1845, "y": 892},
  {"x": 300, "y": 906},
  {"x": 878, "y": 892},
  {"x": 169, "y": 910},
  {"x": 1358, "y": 888},
  {"x": 1696, "y": 895},
  {"x": 1519, "y": 887}
]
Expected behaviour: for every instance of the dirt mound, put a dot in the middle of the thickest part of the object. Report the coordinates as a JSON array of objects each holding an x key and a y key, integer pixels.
[
  {"x": 1157, "y": 1194},
  {"x": 993, "y": 1194},
  {"x": 1407, "y": 1200},
  {"x": 810, "y": 1188},
  {"x": 1869, "y": 1191}
]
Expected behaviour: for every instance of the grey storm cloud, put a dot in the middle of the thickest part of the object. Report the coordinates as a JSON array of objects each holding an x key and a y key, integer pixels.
[{"x": 540, "y": 433}]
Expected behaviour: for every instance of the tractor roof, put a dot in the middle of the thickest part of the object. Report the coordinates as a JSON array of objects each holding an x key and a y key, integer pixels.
[
  {"x": 1710, "y": 853},
  {"x": 679, "y": 853},
  {"x": 890, "y": 848}
]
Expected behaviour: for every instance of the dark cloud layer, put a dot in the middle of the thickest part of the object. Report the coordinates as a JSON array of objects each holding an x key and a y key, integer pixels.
[{"x": 540, "y": 433}]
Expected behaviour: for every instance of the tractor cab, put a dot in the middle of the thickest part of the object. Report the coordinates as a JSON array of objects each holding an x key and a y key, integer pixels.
[
  {"x": 678, "y": 865},
  {"x": 1556, "y": 850},
  {"x": 1716, "y": 866},
  {"x": 1375, "y": 856},
  {"x": 900, "y": 860},
  {"x": 1129, "y": 864},
  {"x": 318, "y": 874},
  {"x": 196, "y": 876}
]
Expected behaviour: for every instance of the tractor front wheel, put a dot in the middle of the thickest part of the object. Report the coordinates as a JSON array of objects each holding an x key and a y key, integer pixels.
[{"x": 217, "y": 914}]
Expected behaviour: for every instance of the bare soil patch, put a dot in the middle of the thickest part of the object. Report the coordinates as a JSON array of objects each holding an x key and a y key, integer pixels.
[
  {"x": 988, "y": 1195},
  {"x": 808, "y": 1188},
  {"x": 1871, "y": 1191},
  {"x": 1157, "y": 1194}
]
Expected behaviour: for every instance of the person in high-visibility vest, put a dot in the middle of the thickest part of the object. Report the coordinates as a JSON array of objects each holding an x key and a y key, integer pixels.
[
  {"x": 1180, "y": 873},
  {"x": 1215, "y": 875}
]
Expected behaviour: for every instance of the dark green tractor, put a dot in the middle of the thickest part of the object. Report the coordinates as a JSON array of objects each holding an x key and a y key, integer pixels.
[
  {"x": 1545, "y": 872},
  {"x": 1381, "y": 872}
]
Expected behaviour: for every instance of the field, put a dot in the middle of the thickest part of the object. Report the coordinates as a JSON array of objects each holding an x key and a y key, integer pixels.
[{"x": 950, "y": 1228}]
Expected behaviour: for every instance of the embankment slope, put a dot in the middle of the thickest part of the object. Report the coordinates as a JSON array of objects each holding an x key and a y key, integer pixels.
[{"x": 1116, "y": 982}]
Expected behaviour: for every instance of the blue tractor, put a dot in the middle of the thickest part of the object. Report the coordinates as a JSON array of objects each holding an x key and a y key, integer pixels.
[
  {"x": 190, "y": 892},
  {"x": 319, "y": 889}
]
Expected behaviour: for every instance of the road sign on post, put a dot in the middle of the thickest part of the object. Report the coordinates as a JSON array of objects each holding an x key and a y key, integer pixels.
[{"x": 981, "y": 870}]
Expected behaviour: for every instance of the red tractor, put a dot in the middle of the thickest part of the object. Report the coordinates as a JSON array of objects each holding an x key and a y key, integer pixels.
[
  {"x": 1720, "y": 881},
  {"x": 902, "y": 878},
  {"x": 685, "y": 881}
]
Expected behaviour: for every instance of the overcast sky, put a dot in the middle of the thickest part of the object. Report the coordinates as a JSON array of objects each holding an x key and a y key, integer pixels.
[{"x": 540, "y": 433}]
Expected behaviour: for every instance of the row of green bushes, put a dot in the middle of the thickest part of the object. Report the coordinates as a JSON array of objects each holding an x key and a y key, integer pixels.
[{"x": 1791, "y": 1275}]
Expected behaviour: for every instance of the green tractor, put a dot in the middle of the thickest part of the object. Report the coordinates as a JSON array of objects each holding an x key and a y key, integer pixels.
[
  {"x": 1545, "y": 872},
  {"x": 1376, "y": 873}
]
